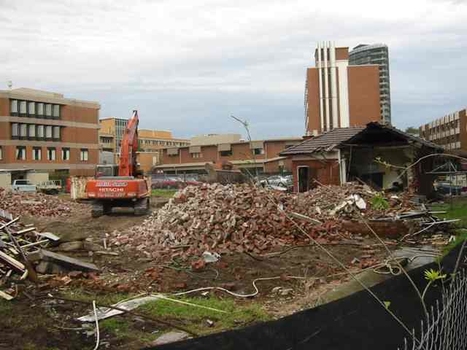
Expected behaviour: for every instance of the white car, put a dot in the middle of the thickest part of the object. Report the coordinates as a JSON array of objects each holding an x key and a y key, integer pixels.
[{"x": 23, "y": 186}]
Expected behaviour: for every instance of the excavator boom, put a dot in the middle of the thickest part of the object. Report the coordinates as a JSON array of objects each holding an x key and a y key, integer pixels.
[{"x": 129, "y": 148}]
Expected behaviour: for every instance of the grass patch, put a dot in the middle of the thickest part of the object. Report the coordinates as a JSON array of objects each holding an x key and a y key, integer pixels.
[
  {"x": 117, "y": 326},
  {"x": 195, "y": 318},
  {"x": 101, "y": 299},
  {"x": 461, "y": 236},
  {"x": 123, "y": 329},
  {"x": 455, "y": 210},
  {"x": 166, "y": 193}
]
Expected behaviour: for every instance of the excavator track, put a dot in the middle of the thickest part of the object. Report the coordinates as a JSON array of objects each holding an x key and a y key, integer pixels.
[
  {"x": 97, "y": 209},
  {"x": 141, "y": 206}
]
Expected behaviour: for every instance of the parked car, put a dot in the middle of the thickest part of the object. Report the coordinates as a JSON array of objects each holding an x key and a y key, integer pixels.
[
  {"x": 23, "y": 186},
  {"x": 174, "y": 181},
  {"x": 167, "y": 182},
  {"x": 447, "y": 188},
  {"x": 50, "y": 187},
  {"x": 277, "y": 181}
]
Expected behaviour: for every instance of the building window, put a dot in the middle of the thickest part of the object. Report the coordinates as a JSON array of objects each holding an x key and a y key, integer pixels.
[
  {"x": 40, "y": 131},
  {"x": 56, "y": 111},
  {"x": 31, "y": 131},
  {"x": 14, "y": 130},
  {"x": 22, "y": 108},
  {"x": 84, "y": 155},
  {"x": 20, "y": 153},
  {"x": 40, "y": 109},
  {"x": 226, "y": 153},
  {"x": 197, "y": 155},
  {"x": 56, "y": 132},
  {"x": 258, "y": 151},
  {"x": 36, "y": 153},
  {"x": 31, "y": 108},
  {"x": 48, "y": 110},
  {"x": 65, "y": 154},
  {"x": 48, "y": 132},
  {"x": 14, "y": 107},
  {"x": 51, "y": 153},
  {"x": 23, "y": 131}
]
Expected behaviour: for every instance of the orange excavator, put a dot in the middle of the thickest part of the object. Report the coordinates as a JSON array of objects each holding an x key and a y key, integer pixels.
[{"x": 122, "y": 187}]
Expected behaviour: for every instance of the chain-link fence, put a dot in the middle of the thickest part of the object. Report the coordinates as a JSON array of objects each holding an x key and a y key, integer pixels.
[{"x": 446, "y": 325}]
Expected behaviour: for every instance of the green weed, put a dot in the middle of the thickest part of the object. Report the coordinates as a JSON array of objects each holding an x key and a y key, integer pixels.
[
  {"x": 196, "y": 319},
  {"x": 168, "y": 193}
]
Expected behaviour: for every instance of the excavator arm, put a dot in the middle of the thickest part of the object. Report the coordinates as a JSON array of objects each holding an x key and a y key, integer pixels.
[{"x": 129, "y": 147}]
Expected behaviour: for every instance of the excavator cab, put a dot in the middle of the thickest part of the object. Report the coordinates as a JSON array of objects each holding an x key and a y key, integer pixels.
[{"x": 106, "y": 170}]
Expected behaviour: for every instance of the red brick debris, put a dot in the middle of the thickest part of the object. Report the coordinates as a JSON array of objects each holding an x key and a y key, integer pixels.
[
  {"x": 37, "y": 204},
  {"x": 238, "y": 218}
]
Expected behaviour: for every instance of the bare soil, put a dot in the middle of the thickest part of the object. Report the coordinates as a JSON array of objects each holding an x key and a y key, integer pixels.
[{"x": 32, "y": 322}]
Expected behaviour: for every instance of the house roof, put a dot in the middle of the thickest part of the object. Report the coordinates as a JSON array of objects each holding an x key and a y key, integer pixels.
[
  {"x": 324, "y": 142},
  {"x": 372, "y": 134}
]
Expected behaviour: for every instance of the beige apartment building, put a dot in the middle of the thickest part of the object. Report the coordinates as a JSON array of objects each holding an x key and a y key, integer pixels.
[
  {"x": 150, "y": 141},
  {"x": 449, "y": 131}
]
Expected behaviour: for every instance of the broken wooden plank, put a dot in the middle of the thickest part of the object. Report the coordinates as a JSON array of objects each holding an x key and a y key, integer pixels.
[
  {"x": 5, "y": 296},
  {"x": 66, "y": 262},
  {"x": 12, "y": 262},
  {"x": 48, "y": 235},
  {"x": 9, "y": 223},
  {"x": 26, "y": 230},
  {"x": 27, "y": 264}
]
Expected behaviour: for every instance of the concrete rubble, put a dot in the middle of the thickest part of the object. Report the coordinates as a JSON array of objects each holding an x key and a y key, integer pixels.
[
  {"x": 244, "y": 218},
  {"x": 37, "y": 204}
]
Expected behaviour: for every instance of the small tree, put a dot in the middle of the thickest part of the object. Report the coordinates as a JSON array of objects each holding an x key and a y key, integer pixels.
[{"x": 412, "y": 130}]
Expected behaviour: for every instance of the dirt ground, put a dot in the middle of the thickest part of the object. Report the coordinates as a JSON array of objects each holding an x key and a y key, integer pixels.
[{"x": 298, "y": 277}]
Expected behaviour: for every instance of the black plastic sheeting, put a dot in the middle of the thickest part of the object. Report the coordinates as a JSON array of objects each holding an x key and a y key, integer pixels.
[{"x": 355, "y": 322}]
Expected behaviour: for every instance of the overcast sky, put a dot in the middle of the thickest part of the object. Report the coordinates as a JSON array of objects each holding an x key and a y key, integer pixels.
[{"x": 188, "y": 65}]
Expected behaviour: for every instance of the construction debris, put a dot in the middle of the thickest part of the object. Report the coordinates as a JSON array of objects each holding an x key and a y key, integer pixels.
[
  {"x": 243, "y": 218},
  {"x": 51, "y": 262},
  {"x": 23, "y": 246},
  {"x": 128, "y": 305},
  {"x": 37, "y": 204}
]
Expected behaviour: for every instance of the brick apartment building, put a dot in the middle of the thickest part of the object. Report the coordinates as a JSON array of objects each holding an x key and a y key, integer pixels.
[
  {"x": 364, "y": 54},
  {"x": 449, "y": 131},
  {"x": 338, "y": 94},
  {"x": 45, "y": 131},
  {"x": 263, "y": 154}
]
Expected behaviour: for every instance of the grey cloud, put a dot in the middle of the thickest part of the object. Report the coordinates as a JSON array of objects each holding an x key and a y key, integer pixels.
[{"x": 189, "y": 65}]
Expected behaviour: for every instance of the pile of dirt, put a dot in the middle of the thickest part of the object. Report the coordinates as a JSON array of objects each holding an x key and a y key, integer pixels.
[
  {"x": 37, "y": 204},
  {"x": 237, "y": 218}
]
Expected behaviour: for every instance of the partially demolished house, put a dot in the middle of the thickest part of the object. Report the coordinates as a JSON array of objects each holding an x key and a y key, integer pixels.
[{"x": 376, "y": 154}]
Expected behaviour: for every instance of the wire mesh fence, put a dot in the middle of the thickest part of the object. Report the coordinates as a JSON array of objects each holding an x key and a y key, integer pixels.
[{"x": 445, "y": 327}]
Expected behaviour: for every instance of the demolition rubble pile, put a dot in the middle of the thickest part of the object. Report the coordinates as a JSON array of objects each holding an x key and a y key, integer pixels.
[
  {"x": 37, "y": 204},
  {"x": 244, "y": 218},
  {"x": 325, "y": 202},
  {"x": 23, "y": 256}
]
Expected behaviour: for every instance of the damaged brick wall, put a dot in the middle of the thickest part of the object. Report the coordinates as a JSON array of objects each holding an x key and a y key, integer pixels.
[{"x": 324, "y": 171}]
